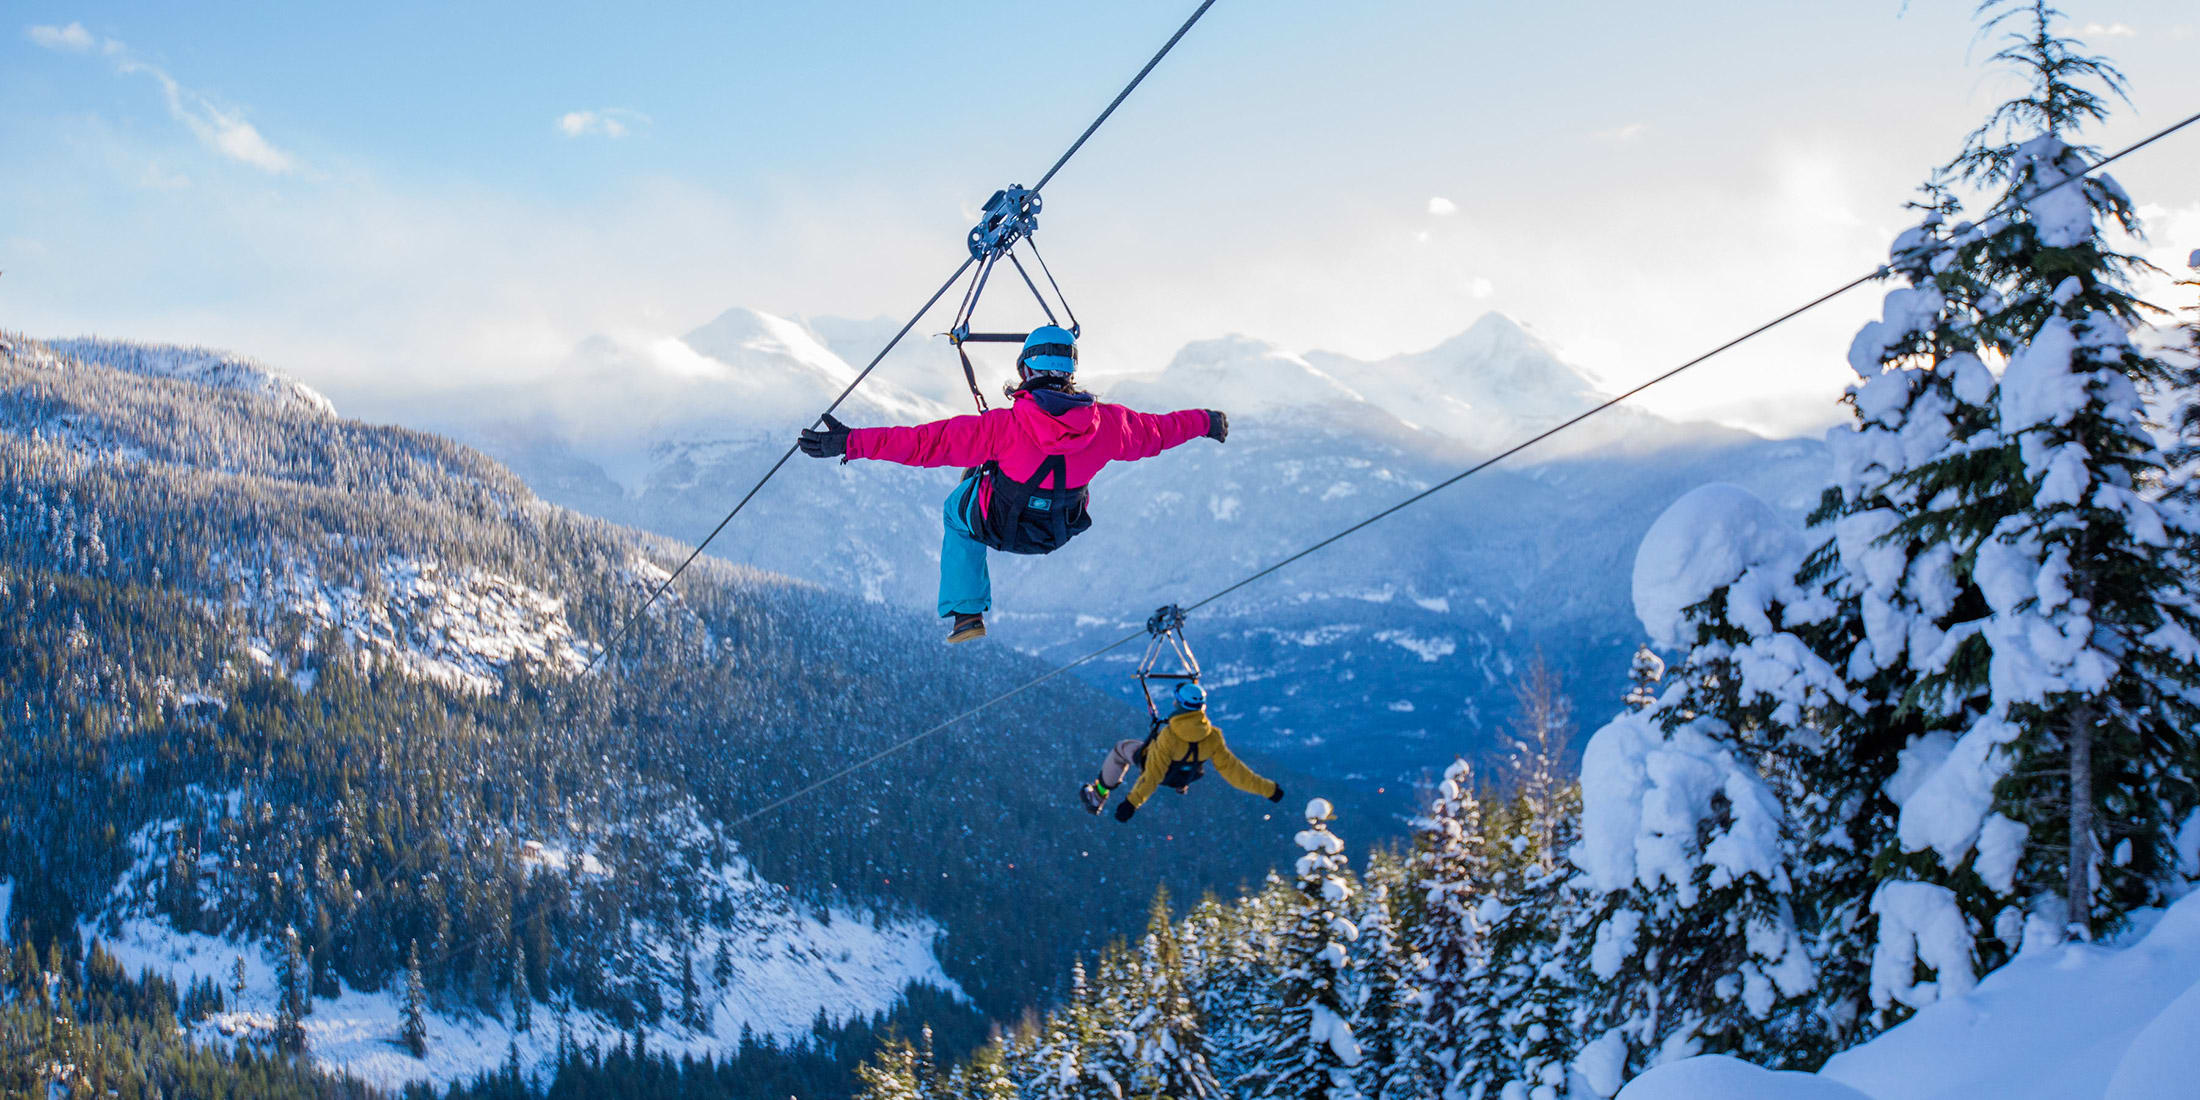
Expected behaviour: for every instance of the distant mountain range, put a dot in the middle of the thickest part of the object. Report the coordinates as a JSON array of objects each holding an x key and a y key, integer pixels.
[{"x": 1371, "y": 659}]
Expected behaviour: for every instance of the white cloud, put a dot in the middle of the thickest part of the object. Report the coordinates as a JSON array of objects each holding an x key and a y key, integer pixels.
[
  {"x": 72, "y": 38},
  {"x": 1442, "y": 207},
  {"x": 224, "y": 131},
  {"x": 1628, "y": 132},
  {"x": 2109, "y": 30},
  {"x": 1481, "y": 287},
  {"x": 219, "y": 128},
  {"x": 610, "y": 122}
]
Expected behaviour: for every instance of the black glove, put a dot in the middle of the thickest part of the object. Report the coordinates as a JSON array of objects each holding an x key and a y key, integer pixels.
[
  {"x": 1278, "y": 796},
  {"x": 1124, "y": 810},
  {"x": 825, "y": 444},
  {"x": 1218, "y": 426}
]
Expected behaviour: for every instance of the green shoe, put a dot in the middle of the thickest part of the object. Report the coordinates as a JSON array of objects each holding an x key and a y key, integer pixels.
[{"x": 1094, "y": 796}]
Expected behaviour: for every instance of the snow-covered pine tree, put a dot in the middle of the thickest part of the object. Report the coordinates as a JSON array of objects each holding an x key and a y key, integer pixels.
[
  {"x": 1104, "y": 1034},
  {"x": 2092, "y": 660},
  {"x": 1644, "y": 674},
  {"x": 985, "y": 1078},
  {"x": 523, "y": 998},
  {"x": 1169, "y": 1049},
  {"x": 1388, "y": 1006},
  {"x": 1451, "y": 867},
  {"x": 1240, "y": 1005},
  {"x": 1530, "y": 909},
  {"x": 1896, "y": 582},
  {"x": 1689, "y": 942},
  {"x": 1310, "y": 1053},
  {"x": 891, "y": 1074},
  {"x": 413, "y": 1031},
  {"x": 2179, "y": 400},
  {"x": 1057, "y": 1061},
  {"x": 290, "y": 992}
]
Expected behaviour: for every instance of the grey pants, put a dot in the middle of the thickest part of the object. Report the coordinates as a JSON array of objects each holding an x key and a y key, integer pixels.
[{"x": 1120, "y": 760}]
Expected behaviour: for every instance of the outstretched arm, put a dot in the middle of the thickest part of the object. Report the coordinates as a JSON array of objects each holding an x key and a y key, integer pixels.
[
  {"x": 1144, "y": 435},
  {"x": 956, "y": 441},
  {"x": 1229, "y": 767}
]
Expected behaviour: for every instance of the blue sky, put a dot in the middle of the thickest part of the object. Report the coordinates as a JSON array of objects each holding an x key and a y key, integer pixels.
[{"x": 393, "y": 200}]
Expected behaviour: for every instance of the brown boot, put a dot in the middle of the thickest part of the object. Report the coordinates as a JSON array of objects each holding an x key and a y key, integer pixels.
[{"x": 966, "y": 628}]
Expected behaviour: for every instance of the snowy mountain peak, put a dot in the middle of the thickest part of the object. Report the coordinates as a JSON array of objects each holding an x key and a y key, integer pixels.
[
  {"x": 1495, "y": 376},
  {"x": 739, "y": 334},
  {"x": 1506, "y": 366},
  {"x": 781, "y": 356},
  {"x": 1237, "y": 372}
]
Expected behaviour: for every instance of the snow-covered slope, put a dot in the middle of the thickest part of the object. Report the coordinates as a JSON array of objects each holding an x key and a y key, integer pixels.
[
  {"x": 203, "y": 366},
  {"x": 464, "y": 628},
  {"x": 2071, "y": 1022},
  {"x": 786, "y": 965}
]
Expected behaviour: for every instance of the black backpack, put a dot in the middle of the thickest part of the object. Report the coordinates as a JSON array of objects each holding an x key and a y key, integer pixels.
[{"x": 1024, "y": 517}]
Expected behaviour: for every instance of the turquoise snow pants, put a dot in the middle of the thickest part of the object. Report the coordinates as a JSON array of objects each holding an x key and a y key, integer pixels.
[{"x": 966, "y": 588}]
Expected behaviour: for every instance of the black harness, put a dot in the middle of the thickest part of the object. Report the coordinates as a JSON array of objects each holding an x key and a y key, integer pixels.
[
  {"x": 1026, "y": 517},
  {"x": 1181, "y": 773}
]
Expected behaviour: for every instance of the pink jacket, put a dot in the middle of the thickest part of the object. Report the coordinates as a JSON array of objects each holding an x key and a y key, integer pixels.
[{"x": 1022, "y": 436}]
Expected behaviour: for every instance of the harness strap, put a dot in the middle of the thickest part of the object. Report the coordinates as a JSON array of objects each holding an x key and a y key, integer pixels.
[
  {"x": 1057, "y": 517},
  {"x": 970, "y": 375},
  {"x": 1056, "y": 465}
]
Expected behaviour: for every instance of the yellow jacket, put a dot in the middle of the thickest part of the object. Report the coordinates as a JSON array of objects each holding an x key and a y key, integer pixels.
[{"x": 1187, "y": 732}]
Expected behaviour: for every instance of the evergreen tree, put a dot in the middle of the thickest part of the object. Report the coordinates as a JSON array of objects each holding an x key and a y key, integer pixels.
[
  {"x": 523, "y": 997},
  {"x": 1389, "y": 1004},
  {"x": 291, "y": 996},
  {"x": 892, "y": 1074},
  {"x": 2055, "y": 762},
  {"x": 1451, "y": 867},
  {"x": 1528, "y": 1035},
  {"x": 986, "y": 1078},
  {"x": 1056, "y": 1061},
  {"x": 413, "y": 1031},
  {"x": 1170, "y": 1049},
  {"x": 1893, "y": 587},
  {"x": 1310, "y": 1052},
  {"x": 1643, "y": 675},
  {"x": 1688, "y": 941},
  {"x": 2092, "y": 625}
]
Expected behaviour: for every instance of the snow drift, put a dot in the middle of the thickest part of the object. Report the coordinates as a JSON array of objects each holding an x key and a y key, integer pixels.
[{"x": 2073, "y": 1022}]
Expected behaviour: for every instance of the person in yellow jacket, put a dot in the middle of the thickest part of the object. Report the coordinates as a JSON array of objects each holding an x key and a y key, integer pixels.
[{"x": 1172, "y": 756}]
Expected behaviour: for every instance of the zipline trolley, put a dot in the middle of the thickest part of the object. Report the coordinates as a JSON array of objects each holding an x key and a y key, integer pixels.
[{"x": 1011, "y": 217}]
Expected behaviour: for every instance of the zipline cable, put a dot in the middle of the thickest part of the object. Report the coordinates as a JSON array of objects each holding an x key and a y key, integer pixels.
[
  {"x": 628, "y": 625},
  {"x": 1872, "y": 276},
  {"x": 1122, "y": 95}
]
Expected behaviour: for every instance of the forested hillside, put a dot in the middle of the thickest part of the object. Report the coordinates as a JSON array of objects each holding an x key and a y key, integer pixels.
[{"x": 268, "y": 669}]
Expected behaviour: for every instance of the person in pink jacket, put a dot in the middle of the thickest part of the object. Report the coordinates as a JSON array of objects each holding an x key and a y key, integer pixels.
[{"x": 1027, "y": 466}]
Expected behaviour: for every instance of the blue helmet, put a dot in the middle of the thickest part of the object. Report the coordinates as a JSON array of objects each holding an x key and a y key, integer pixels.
[
  {"x": 1191, "y": 696},
  {"x": 1050, "y": 349}
]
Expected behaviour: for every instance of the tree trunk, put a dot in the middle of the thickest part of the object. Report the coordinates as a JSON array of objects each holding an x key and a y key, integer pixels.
[{"x": 2079, "y": 734}]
